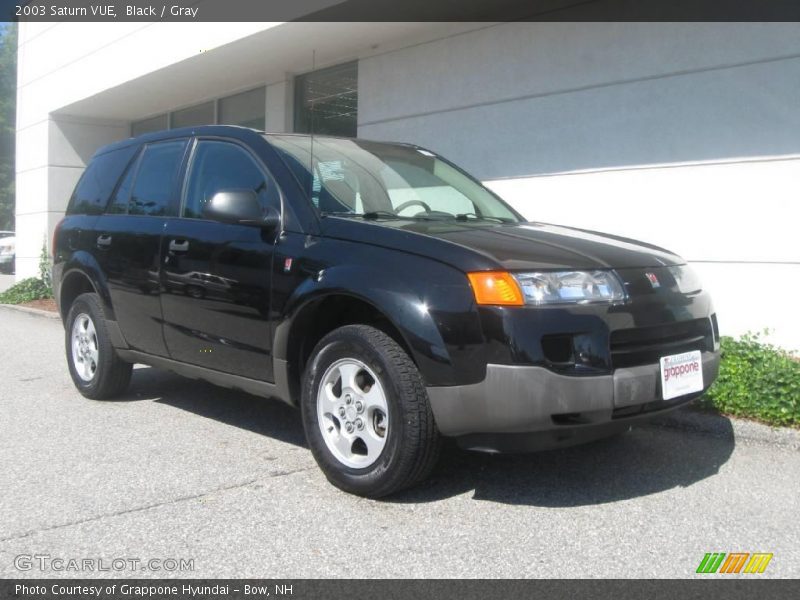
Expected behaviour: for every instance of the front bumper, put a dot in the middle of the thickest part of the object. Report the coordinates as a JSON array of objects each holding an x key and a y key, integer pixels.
[{"x": 533, "y": 408}]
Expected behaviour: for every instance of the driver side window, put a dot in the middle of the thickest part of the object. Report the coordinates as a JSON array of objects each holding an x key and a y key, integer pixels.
[{"x": 218, "y": 166}]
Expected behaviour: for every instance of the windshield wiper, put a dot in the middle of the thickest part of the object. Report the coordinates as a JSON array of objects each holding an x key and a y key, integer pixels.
[
  {"x": 373, "y": 214},
  {"x": 474, "y": 217},
  {"x": 380, "y": 214},
  {"x": 435, "y": 216},
  {"x": 369, "y": 215}
]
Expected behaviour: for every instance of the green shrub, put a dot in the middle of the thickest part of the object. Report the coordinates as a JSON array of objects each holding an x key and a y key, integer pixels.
[
  {"x": 26, "y": 290},
  {"x": 45, "y": 269},
  {"x": 757, "y": 380},
  {"x": 32, "y": 288}
]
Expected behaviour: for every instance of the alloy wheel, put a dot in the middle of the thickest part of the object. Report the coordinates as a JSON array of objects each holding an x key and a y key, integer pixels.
[{"x": 352, "y": 413}]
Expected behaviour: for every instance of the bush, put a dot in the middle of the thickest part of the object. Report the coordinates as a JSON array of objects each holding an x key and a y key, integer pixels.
[
  {"x": 757, "y": 380},
  {"x": 25, "y": 291},
  {"x": 32, "y": 288},
  {"x": 45, "y": 269}
]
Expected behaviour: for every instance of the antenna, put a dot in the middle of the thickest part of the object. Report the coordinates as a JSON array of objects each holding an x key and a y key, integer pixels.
[{"x": 312, "y": 131}]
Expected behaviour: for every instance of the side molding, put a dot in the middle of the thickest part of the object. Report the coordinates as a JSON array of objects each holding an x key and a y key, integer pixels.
[{"x": 236, "y": 382}]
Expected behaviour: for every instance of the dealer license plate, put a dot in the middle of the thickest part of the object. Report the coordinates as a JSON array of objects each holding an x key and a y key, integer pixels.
[{"x": 681, "y": 374}]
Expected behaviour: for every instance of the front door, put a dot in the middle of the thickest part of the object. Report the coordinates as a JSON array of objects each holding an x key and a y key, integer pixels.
[{"x": 216, "y": 276}]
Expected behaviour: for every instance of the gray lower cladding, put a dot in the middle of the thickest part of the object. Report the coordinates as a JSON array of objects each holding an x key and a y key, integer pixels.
[
  {"x": 519, "y": 399},
  {"x": 279, "y": 389}
]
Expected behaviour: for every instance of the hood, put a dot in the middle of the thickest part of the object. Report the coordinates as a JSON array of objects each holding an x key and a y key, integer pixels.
[{"x": 514, "y": 247}]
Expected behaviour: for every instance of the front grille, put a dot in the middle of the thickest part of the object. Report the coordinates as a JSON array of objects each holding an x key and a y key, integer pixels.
[{"x": 646, "y": 345}]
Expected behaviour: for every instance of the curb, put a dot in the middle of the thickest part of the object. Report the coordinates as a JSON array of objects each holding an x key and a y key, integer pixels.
[
  {"x": 32, "y": 311},
  {"x": 692, "y": 420}
]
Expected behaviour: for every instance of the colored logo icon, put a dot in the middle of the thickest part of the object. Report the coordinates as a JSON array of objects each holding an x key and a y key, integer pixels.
[{"x": 734, "y": 562}]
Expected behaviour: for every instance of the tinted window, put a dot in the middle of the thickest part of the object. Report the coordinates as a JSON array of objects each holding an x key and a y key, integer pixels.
[
  {"x": 119, "y": 203},
  {"x": 155, "y": 180},
  {"x": 222, "y": 166},
  {"x": 98, "y": 180}
]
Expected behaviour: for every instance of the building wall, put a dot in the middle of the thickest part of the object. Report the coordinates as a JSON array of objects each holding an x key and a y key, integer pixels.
[{"x": 684, "y": 135}]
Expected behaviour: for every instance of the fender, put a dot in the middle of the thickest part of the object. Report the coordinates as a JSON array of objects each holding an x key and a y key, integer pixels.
[
  {"x": 417, "y": 309},
  {"x": 83, "y": 264}
]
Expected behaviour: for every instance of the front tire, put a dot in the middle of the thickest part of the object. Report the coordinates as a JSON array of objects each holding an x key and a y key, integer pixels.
[
  {"x": 96, "y": 370},
  {"x": 366, "y": 413}
]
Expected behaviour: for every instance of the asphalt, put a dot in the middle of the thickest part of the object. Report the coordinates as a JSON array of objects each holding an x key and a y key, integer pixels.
[{"x": 180, "y": 469}]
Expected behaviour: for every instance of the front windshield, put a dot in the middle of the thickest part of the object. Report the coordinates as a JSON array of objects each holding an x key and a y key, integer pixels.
[{"x": 376, "y": 180}]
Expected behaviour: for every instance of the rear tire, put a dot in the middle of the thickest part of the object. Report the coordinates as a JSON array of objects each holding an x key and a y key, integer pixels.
[
  {"x": 96, "y": 369},
  {"x": 366, "y": 413}
]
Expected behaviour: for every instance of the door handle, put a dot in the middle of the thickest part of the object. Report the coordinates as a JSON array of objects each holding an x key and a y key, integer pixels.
[
  {"x": 103, "y": 240},
  {"x": 179, "y": 245}
]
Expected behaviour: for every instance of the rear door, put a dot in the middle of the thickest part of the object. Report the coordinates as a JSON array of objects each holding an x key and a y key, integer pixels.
[
  {"x": 127, "y": 241},
  {"x": 216, "y": 276}
]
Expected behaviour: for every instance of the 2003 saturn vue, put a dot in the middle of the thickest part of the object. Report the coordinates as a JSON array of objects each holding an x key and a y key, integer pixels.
[{"x": 386, "y": 293}]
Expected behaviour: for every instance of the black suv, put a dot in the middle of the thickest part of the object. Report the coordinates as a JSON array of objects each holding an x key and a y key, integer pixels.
[{"x": 378, "y": 287}]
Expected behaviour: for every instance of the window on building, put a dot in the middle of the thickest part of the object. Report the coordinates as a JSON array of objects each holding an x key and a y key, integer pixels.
[
  {"x": 246, "y": 109},
  {"x": 149, "y": 125},
  {"x": 201, "y": 114},
  {"x": 220, "y": 166},
  {"x": 155, "y": 180},
  {"x": 326, "y": 101}
]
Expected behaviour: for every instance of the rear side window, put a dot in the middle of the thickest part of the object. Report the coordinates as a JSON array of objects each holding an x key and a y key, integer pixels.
[
  {"x": 97, "y": 182},
  {"x": 119, "y": 203},
  {"x": 153, "y": 187}
]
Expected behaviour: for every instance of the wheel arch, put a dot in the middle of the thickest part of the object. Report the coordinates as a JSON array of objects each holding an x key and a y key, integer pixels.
[
  {"x": 74, "y": 284},
  {"x": 322, "y": 314},
  {"x": 81, "y": 275}
]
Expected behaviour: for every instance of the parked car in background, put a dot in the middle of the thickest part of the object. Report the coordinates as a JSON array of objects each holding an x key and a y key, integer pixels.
[
  {"x": 8, "y": 251},
  {"x": 389, "y": 295}
]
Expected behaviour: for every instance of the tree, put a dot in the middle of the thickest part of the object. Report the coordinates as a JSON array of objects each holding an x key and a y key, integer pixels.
[{"x": 8, "y": 118}]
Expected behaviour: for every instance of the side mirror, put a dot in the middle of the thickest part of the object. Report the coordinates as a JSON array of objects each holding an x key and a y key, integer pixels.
[
  {"x": 240, "y": 206},
  {"x": 271, "y": 220}
]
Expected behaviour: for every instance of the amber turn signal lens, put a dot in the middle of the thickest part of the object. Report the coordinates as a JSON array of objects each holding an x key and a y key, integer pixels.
[{"x": 496, "y": 287}]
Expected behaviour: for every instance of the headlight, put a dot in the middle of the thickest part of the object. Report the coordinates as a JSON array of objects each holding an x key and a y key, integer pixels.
[
  {"x": 570, "y": 287},
  {"x": 687, "y": 280}
]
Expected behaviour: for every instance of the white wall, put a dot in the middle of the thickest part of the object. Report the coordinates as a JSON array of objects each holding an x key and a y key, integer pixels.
[
  {"x": 684, "y": 135},
  {"x": 736, "y": 222}
]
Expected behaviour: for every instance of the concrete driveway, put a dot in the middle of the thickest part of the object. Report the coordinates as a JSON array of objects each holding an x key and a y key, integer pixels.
[
  {"x": 6, "y": 281},
  {"x": 183, "y": 470}
]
